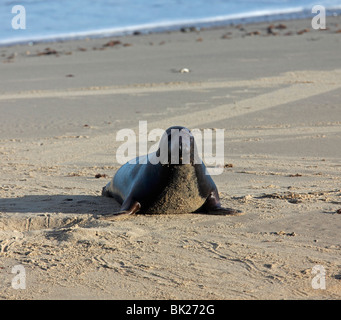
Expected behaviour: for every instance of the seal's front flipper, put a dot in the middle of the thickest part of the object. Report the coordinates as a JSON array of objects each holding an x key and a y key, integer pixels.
[
  {"x": 105, "y": 192},
  {"x": 133, "y": 208},
  {"x": 225, "y": 212},
  {"x": 212, "y": 206},
  {"x": 113, "y": 216}
]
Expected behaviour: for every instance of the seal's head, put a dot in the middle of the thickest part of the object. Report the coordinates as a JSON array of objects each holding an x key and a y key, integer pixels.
[{"x": 177, "y": 147}]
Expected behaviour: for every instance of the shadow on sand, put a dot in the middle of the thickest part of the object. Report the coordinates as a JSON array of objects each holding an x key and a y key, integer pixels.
[
  {"x": 38, "y": 212},
  {"x": 68, "y": 204}
]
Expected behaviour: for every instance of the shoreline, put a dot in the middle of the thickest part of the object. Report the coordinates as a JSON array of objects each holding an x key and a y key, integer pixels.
[
  {"x": 279, "y": 27},
  {"x": 184, "y": 26}
]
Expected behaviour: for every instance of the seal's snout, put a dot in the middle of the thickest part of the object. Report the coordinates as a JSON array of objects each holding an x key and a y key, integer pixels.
[
  {"x": 180, "y": 150},
  {"x": 186, "y": 150},
  {"x": 177, "y": 147}
]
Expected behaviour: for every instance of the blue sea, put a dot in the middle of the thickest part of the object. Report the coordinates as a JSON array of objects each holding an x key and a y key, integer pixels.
[{"x": 47, "y": 20}]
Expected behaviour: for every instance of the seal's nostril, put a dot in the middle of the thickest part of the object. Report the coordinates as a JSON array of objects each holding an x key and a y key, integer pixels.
[{"x": 180, "y": 150}]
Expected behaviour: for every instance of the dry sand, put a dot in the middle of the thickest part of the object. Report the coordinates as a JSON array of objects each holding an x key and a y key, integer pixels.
[{"x": 278, "y": 99}]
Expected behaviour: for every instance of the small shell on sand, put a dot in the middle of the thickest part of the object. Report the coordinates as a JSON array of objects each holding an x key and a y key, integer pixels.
[{"x": 184, "y": 70}]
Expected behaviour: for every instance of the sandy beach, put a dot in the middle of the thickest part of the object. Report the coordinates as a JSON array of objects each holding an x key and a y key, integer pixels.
[{"x": 276, "y": 90}]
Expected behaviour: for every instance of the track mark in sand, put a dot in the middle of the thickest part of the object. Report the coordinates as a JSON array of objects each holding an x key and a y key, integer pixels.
[
  {"x": 290, "y": 78},
  {"x": 295, "y": 197},
  {"x": 28, "y": 224},
  {"x": 130, "y": 90},
  {"x": 301, "y": 132},
  {"x": 275, "y": 98}
]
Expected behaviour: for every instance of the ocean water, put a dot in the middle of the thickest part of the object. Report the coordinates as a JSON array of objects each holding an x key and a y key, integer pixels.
[{"x": 65, "y": 19}]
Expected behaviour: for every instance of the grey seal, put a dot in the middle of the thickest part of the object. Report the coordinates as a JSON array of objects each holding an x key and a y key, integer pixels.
[{"x": 171, "y": 180}]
